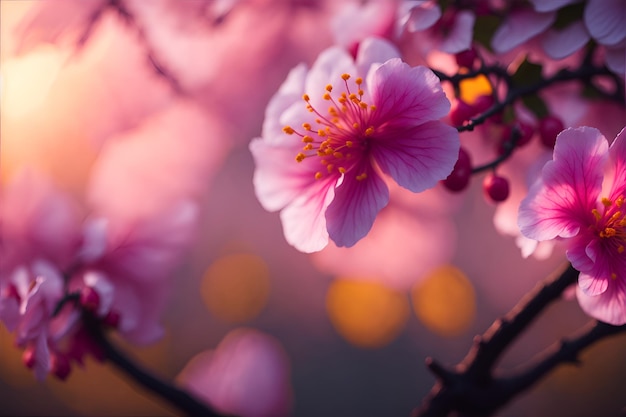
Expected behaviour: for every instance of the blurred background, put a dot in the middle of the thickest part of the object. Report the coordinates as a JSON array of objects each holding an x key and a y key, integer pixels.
[{"x": 163, "y": 96}]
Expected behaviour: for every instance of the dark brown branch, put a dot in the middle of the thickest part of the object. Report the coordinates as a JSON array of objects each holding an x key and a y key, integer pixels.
[{"x": 470, "y": 387}]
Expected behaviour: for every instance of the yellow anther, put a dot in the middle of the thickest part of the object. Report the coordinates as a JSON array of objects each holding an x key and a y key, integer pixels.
[
  {"x": 309, "y": 108},
  {"x": 329, "y": 88},
  {"x": 341, "y": 170},
  {"x": 353, "y": 97},
  {"x": 321, "y": 132},
  {"x": 306, "y": 126},
  {"x": 620, "y": 249},
  {"x": 369, "y": 131},
  {"x": 332, "y": 111},
  {"x": 300, "y": 157},
  {"x": 318, "y": 175},
  {"x": 326, "y": 96},
  {"x": 359, "y": 81},
  {"x": 372, "y": 107},
  {"x": 620, "y": 201},
  {"x": 355, "y": 125},
  {"x": 613, "y": 275},
  {"x": 307, "y": 139},
  {"x": 305, "y": 97},
  {"x": 288, "y": 130},
  {"x": 363, "y": 105},
  {"x": 329, "y": 151},
  {"x": 324, "y": 161},
  {"x": 615, "y": 216},
  {"x": 349, "y": 143},
  {"x": 596, "y": 214},
  {"x": 345, "y": 77},
  {"x": 342, "y": 100},
  {"x": 308, "y": 147},
  {"x": 608, "y": 232},
  {"x": 606, "y": 202},
  {"x": 330, "y": 168},
  {"x": 361, "y": 177},
  {"x": 361, "y": 92},
  {"x": 338, "y": 155}
]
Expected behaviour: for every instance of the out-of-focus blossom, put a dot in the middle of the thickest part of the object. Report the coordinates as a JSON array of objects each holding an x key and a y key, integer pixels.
[
  {"x": 604, "y": 20},
  {"x": 324, "y": 173},
  {"x": 579, "y": 199},
  {"x": 246, "y": 375}
]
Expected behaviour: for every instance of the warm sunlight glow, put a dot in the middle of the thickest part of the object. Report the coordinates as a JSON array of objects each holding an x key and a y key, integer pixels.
[
  {"x": 27, "y": 80},
  {"x": 473, "y": 88},
  {"x": 366, "y": 314},
  {"x": 445, "y": 301},
  {"x": 235, "y": 287}
]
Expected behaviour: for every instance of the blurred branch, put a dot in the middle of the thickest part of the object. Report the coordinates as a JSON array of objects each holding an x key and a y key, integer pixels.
[
  {"x": 471, "y": 389},
  {"x": 180, "y": 399}
]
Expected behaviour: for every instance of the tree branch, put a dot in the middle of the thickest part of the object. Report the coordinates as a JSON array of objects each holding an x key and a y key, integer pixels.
[
  {"x": 176, "y": 397},
  {"x": 470, "y": 387}
]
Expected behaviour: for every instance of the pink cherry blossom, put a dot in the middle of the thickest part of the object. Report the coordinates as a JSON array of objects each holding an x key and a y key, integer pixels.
[
  {"x": 361, "y": 118},
  {"x": 246, "y": 375},
  {"x": 579, "y": 200}
]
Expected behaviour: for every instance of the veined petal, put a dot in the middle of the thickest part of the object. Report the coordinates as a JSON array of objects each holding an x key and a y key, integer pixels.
[
  {"x": 289, "y": 93},
  {"x": 304, "y": 224},
  {"x": 278, "y": 178},
  {"x": 561, "y": 202},
  {"x": 605, "y": 20},
  {"x": 608, "y": 307},
  {"x": 559, "y": 44},
  {"x": 405, "y": 95},
  {"x": 419, "y": 157},
  {"x": 328, "y": 68},
  {"x": 351, "y": 214}
]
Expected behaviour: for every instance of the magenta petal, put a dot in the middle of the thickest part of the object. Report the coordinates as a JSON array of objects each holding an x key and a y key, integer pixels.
[
  {"x": 460, "y": 38},
  {"x": 591, "y": 285},
  {"x": 419, "y": 157},
  {"x": 405, "y": 95},
  {"x": 608, "y": 307},
  {"x": 561, "y": 202},
  {"x": 351, "y": 214}
]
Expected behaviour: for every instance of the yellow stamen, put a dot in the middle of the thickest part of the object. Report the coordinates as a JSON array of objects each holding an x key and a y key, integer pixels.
[
  {"x": 288, "y": 130},
  {"x": 300, "y": 157},
  {"x": 342, "y": 170},
  {"x": 359, "y": 81},
  {"x": 345, "y": 77},
  {"x": 606, "y": 202},
  {"x": 318, "y": 175},
  {"x": 369, "y": 131},
  {"x": 361, "y": 177},
  {"x": 329, "y": 88},
  {"x": 306, "y": 97},
  {"x": 307, "y": 139},
  {"x": 306, "y": 126}
]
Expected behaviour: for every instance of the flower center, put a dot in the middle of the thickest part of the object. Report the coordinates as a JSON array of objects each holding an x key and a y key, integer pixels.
[
  {"x": 341, "y": 135},
  {"x": 611, "y": 225}
]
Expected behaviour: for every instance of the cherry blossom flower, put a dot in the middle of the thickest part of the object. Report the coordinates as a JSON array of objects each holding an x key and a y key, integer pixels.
[
  {"x": 579, "y": 200},
  {"x": 361, "y": 118}
]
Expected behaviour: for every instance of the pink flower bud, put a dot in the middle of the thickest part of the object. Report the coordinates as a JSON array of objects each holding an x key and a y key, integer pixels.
[
  {"x": 496, "y": 188},
  {"x": 459, "y": 178}
]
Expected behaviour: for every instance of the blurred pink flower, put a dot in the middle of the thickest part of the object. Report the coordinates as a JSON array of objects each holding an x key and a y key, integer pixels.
[
  {"x": 565, "y": 204},
  {"x": 246, "y": 375},
  {"x": 383, "y": 120}
]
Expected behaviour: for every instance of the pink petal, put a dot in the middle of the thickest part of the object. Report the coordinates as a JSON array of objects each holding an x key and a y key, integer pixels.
[
  {"x": 304, "y": 224},
  {"x": 559, "y": 44},
  {"x": 605, "y": 20},
  {"x": 608, "y": 307},
  {"x": 374, "y": 51},
  {"x": 351, "y": 214},
  {"x": 278, "y": 177},
  {"x": 422, "y": 15},
  {"x": 460, "y": 38},
  {"x": 405, "y": 95},
  {"x": 519, "y": 27},
  {"x": 288, "y": 95},
  {"x": 417, "y": 158},
  {"x": 616, "y": 59},
  {"x": 560, "y": 204}
]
